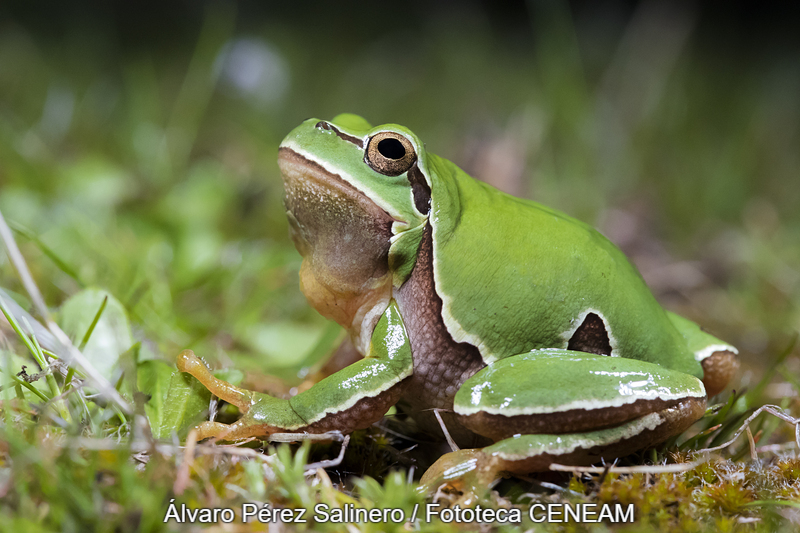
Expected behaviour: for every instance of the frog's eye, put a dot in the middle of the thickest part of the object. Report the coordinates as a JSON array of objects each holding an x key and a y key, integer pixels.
[{"x": 390, "y": 153}]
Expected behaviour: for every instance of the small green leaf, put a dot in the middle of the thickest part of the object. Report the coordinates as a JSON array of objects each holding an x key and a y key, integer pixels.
[{"x": 177, "y": 401}]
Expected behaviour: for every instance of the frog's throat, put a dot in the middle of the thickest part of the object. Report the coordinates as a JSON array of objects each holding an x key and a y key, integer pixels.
[
  {"x": 344, "y": 238},
  {"x": 357, "y": 312}
]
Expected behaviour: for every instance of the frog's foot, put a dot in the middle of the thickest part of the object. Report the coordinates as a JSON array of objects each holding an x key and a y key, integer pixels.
[
  {"x": 263, "y": 414},
  {"x": 535, "y": 453},
  {"x": 470, "y": 471},
  {"x": 717, "y": 357},
  {"x": 229, "y": 432},
  {"x": 718, "y": 369},
  {"x": 352, "y": 398},
  {"x": 575, "y": 408}
]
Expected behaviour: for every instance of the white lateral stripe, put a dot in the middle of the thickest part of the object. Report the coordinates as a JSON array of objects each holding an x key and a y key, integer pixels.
[
  {"x": 356, "y": 397},
  {"x": 634, "y": 428},
  {"x": 293, "y": 146},
  {"x": 699, "y": 355},
  {"x": 583, "y": 405},
  {"x": 453, "y": 327}
]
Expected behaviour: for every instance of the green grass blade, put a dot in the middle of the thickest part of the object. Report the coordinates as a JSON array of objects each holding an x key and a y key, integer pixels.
[{"x": 95, "y": 320}]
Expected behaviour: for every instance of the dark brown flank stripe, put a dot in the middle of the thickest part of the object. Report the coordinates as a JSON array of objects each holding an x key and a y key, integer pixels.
[
  {"x": 420, "y": 189},
  {"x": 498, "y": 426},
  {"x": 441, "y": 365},
  {"x": 349, "y": 138}
]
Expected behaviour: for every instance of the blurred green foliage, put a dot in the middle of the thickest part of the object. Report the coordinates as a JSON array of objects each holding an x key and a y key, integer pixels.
[
  {"x": 138, "y": 156},
  {"x": 145, "y": 158}
]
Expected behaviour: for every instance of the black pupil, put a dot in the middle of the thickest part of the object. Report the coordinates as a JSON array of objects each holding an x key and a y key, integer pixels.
[{"x": 391, "y": 149}]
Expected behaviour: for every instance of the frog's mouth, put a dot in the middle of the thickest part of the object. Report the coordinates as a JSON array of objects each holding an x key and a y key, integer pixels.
[
  {"x": 320, "y": 200},
  {"x": 344, "y": 238}
]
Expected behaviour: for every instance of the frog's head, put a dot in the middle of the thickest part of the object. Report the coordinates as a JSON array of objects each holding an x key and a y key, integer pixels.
[{"x": 357, "y": 199}]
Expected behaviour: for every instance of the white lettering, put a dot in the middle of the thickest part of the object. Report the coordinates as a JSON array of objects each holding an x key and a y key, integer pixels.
[
  {"x": 172, "y": 512},
  {"x": 628, "y": 514},
  {"x": 589, "y": 512},
  {"x": 397, "y": 516},
  {"x": 605, "y": 513},
  {"x": 554, "y": 510},
  {"x": 532, "y": 516},
  {"x": 574, "y": 511},
  {"x": 228, "y": 515},
  {"x": 430, "y": 511},
  {"x": 321, "y": 513},
  {"x": 248, "y": 510}
]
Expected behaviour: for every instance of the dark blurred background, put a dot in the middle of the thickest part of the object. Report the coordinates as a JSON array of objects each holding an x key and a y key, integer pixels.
[{"x": 138, "y": 144}]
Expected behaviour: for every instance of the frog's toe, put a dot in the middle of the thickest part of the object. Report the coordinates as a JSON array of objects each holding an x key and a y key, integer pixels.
[
  {"x": 188, "y": 362},
  {"x": 231, "y": 432},
  {"x": 718, "y": 369},
  {"x": 467, "y": 471}
]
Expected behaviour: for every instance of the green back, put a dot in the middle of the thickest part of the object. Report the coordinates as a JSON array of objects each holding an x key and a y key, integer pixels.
[{"x": 531, "y": 271}]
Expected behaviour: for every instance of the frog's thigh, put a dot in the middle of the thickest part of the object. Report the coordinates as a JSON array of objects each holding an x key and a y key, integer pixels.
[
  {"x": 718, "y": 358},
  {"x": 561, "y": 391}
]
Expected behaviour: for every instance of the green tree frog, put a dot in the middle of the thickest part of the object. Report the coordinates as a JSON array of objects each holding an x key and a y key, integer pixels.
[{"x": 532, "y": 333}]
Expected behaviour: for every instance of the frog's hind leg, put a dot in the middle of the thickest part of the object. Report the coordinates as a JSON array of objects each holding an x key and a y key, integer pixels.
[
  {"x": 717, "y": 358},
  {"x": 188, "y": 362},
  {"x": 535, "y": 453},
  {"x": 572, "y": 407},
  {"x": 473, "y": 469}
]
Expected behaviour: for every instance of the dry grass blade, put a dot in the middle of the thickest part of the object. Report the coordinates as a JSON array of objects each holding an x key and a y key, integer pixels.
[
  {"x": 106, "y": 389},
  {"x": 182, "y": 479},
  {"x": 450, "y": 441},
  {"x": 330, "y": 463},
  {"x": 771, "y": 409}
]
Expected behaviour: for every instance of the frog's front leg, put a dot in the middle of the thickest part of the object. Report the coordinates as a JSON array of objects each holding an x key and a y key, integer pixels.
[
  {"x": 560, "y": 406},
  {"x": 352, "y": 398}
]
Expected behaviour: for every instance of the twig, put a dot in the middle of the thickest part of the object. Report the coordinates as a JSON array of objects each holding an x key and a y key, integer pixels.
[
  {"x": 453, "y": 446},
  {"x": 298, "y": 437},
  {"x": 771, "y": 409},
  {"x": 752, "y": 442},
  {"x": 143, "y": 446},
  {"x": 182, "y": 477},
  {"x": 775, "y": 448},
  {"x": 330, "y": 463}
]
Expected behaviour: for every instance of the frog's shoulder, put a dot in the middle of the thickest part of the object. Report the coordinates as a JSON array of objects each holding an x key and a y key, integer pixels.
[{"x": 456, "y": 195}]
